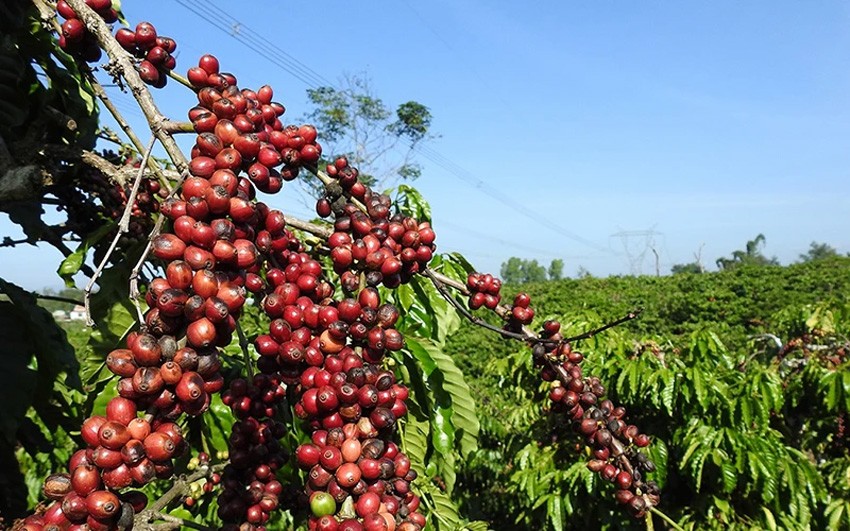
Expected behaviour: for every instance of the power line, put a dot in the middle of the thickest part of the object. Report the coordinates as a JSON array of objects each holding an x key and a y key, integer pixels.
[
  {"x": 260, "y": 45},
  {"x": 519, "y": 246},
  {"x": 242, "y": 33},
  {"x": 486, "y": 189}
]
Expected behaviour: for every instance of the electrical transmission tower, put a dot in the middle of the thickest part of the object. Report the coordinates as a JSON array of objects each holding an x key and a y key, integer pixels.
[{"x": 637, "y": 244}]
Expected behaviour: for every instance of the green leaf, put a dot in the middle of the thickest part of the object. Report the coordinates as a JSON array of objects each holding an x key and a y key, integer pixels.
[
  {"x": 411, "y": 203},
  {"x": 556, "y": 512},
  {"x": 769, "y": 519},
  {"x": 835, "y": 512},
  {"x": 451, "y": 394},
  {"x": 730, "y": 475},
  {"x": 443, "y": 434},
  {"x": 668, "y": 390},
  {"x": 721, "y": 504},
  {"x": 445, "y": 511},
  {"x": 846, "y": 389},
  {"x": 414, "y": 441},
  {"x": 72, "y": 264}
]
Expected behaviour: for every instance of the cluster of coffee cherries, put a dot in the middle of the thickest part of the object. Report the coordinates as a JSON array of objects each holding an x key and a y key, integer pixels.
[
  {"x": 123, "y": 450},
  {"x": 250, "y": 489},
  {"x": 210, "y": 252},
  {"x": 329, "y": 352},
  {"x": 100, "y": 509},
  {"x": 484, "y": 291},
  {"x": 312, "y": 338},
  {"x": 358, "y": 482},
  {"x": 241, "y": 130},
  {"x": 74, "y": 37},
  {"x": 521, "y": 312},
  {"x": 155, "y": 373},
  {"x": 388, "y": 248},
  {"x": 154, "y": 52},
  {"x": 613, "y": 443}
]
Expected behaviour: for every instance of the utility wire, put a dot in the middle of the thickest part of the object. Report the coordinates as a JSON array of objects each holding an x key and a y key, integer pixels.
[
  {"x": 247, "y": 36},
  {"x": 238, "y": 31}
]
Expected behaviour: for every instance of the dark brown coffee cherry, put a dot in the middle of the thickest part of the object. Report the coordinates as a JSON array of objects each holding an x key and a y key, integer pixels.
[{"x": 56, "y": 486}]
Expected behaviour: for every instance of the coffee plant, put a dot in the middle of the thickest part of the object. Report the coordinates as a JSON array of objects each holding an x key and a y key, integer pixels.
[{"x": 250, "y": 370}]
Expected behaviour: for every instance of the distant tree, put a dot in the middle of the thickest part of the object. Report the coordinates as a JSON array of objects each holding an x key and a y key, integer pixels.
[
  {"x": 534, "y": 272},
  {"x": 518, "y": 271},
  {"x": 583, "y": 272},
  {"x": 818, "y": 251},
  {"x": 356, "y": 123},
  {"x": 750, "y": 255},
  {"x": 692, "y": 267},
  {"x": 556, "y": 269}
]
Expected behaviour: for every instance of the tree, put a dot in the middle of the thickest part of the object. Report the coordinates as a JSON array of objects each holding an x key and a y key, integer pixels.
[
  {"x": 518, "y": 271},
  {"x": 583, "y": 272},
  {"x": 750, "y": 255},
  {"x": 556, "y": 269},
  {"x": 691, "y": 267},
  {"x": 356, "y": 123},
  {"x": 512, "y": 270},
  {"x": 818, "y": 251}
]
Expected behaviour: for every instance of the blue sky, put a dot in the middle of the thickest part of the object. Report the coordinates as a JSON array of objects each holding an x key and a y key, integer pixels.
[{"x": 706, "y": 123}]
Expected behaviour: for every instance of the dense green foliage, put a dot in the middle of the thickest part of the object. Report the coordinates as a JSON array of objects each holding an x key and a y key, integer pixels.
[{"x": 740, "y": 377}]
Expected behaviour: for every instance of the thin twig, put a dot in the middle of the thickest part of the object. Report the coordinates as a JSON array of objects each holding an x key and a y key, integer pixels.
[
  {"x": 58, "y": 298},
  {"x": 9, "y": 242},
  {"x": 179, "y": 488},
  {"x": 587, "y": 335},
  {"x": 123, "y": 227},
  {"x": 441, "y": 281},
  {"x": 327, "y": 180},
  {"x": 179, "y": 522},
  {"x": 180, "y": 79},
  {"x": 124, "y": 222},
  {"x": 670, "y": 521},
  {"x": 172, "y": 127},
  {"x": 441, "y": 288},
  {"x": 134, "y": 274},
  {"x": 116, "y": 114},
  {"x": 312, "y": 228}
]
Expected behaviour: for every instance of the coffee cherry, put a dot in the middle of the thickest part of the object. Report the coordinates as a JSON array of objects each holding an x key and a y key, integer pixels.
[
  {"x": 85, "y": 479},
  {"x": 102, "y": 504},
  {"x": 322, "y": 504},
  {"x": 56, "y": 486},
  {"x": 159, "y": 446}
]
